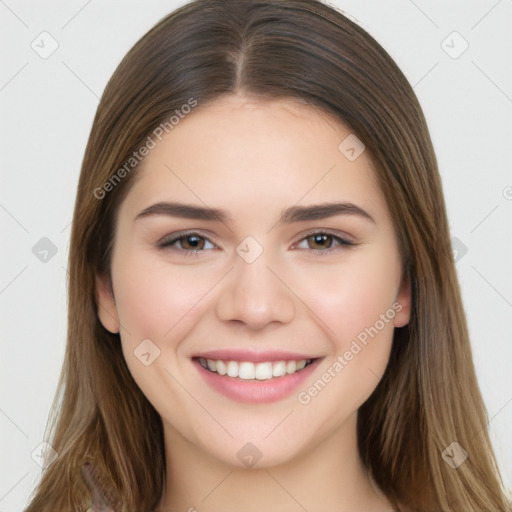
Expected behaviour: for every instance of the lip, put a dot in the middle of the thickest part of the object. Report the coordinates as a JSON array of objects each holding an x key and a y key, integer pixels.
[
  {"x": 253, "y": 356},
  {"x": 256, "y": 391}
]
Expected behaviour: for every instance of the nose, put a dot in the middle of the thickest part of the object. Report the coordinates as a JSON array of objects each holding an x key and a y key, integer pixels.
[{"x": 255, "y": 295}]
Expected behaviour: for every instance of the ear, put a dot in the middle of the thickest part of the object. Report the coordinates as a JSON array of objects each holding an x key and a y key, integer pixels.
[
  {"x": 106, "y": 304},
  {"x": 403, "y": 303}
]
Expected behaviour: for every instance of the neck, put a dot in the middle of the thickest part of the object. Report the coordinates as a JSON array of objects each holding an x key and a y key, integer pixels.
[{"x": 328, "y": 476}]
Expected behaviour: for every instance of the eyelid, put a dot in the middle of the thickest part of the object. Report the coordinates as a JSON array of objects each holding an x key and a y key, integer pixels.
[
  {"x": 333, "y": 232},
  {"x": 166, "y": 241},
  {"x": 343, "y": 241}
]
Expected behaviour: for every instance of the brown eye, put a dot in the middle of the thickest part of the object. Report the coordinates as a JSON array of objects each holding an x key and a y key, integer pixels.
[
  {"x": 320, "y": 241},
  {"x": 187, "y": 243},
  {"x": 324, "y": 243},
  {"x": 192, "y": 242}
]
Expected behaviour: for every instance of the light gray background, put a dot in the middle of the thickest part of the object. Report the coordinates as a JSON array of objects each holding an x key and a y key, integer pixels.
[{"x": 47, "y": 107}]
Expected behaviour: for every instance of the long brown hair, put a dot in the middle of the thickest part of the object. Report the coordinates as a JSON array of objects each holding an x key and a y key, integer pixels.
[{"x": 308, "y": 51}]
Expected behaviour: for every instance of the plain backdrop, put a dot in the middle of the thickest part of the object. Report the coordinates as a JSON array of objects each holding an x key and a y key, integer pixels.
[{"x": 47, "y": 105}]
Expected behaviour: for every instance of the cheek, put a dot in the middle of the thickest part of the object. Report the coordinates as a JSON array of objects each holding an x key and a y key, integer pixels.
[
  {"x": 153, "y": 298},
  {"x": 352, "y": 296},
  {"x": 355, "y": 304},
  {"x": 157, "y": 302}
]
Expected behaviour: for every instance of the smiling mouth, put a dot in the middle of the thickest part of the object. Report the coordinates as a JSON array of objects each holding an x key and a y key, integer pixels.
[{"x": 247, "y": 370}]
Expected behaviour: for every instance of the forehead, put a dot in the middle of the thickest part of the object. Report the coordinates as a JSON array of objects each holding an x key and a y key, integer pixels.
[{"x": 254, "y": 153}]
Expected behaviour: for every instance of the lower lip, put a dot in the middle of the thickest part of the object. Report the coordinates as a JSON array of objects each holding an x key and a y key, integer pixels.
[{"x": 256, "y": 391}]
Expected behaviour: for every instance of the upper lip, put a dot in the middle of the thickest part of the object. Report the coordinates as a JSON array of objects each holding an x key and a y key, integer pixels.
[{"x": 252, "y": 355}]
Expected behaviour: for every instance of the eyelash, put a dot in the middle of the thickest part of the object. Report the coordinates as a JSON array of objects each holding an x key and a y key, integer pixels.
[{"x": 343, "y": 243}]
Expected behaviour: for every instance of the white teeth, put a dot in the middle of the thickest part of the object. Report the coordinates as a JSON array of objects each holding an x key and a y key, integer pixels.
[
  {"x": 232, "y": 369},
  {"x": 291, "y": 366},
  {"x": 263, "y": 371},
  {"x": 247, "y": 370},
  {"x": 279, "y": 369},
  {"x": 221, "y": 368}
]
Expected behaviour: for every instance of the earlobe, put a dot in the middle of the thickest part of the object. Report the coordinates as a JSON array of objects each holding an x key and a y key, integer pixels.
[
  {"x": 106, "y": 305},
  {"x": 403, "y": 304}
]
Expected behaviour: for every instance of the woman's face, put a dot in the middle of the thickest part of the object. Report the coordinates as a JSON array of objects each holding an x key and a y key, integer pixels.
[{"x": 287, "y": 257}]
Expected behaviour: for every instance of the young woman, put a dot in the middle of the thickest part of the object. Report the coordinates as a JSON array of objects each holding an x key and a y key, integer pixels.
[{"x": 264, "y": 312}]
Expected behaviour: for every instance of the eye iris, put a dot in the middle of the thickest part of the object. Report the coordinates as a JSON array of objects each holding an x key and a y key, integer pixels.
[
  {"x": 320, "y": 239},
  {"x": 195, "y": 242}
]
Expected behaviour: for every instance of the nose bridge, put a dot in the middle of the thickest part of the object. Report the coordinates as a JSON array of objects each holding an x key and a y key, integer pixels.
[{"x": 253, "y": 293}]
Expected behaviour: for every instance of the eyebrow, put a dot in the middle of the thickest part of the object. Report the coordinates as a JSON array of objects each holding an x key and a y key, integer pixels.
[{"x": 289, "y": 215}]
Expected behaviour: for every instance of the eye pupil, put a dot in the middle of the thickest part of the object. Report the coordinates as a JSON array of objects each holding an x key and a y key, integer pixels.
[
  {"x": 321, "y": 239},
  {"x": 193, "y": 241}
]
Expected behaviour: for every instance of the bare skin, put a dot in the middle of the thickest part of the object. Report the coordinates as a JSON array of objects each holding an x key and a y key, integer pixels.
[{"x": 307, "y": 294}]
